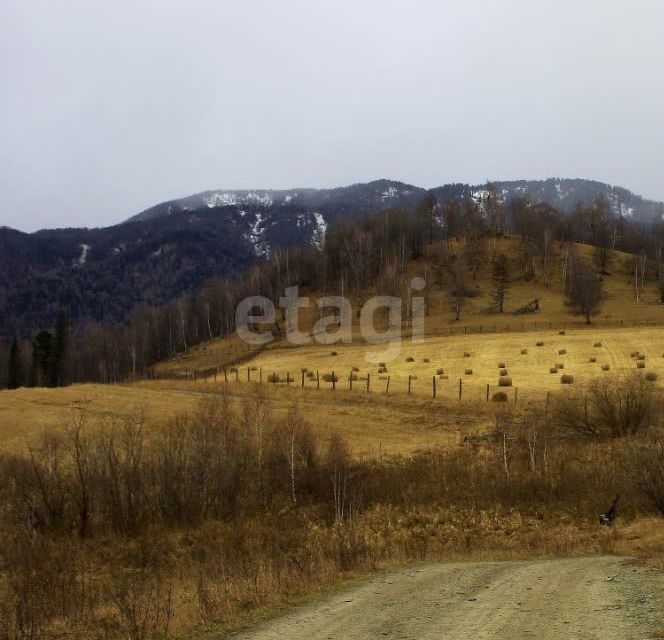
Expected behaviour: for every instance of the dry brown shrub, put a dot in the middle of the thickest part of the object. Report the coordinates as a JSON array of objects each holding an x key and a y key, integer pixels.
[{"x": 610, "y": 407}]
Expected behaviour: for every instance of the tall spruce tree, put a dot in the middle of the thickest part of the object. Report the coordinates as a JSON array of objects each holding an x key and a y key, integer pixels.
[
  {"x": 15, "y": 369},
  {"x": 501, "y": 282},
  {"x": 41, "y": 359},
  {"x": 58, "y": 355}
]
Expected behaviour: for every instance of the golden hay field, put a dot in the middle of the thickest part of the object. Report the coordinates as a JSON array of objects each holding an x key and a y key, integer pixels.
[
  {"x": 529, "y": 372},
  {"x": 374, "y": 423}
]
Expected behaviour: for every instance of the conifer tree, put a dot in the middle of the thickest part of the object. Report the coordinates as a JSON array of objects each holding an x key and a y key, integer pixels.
[
  {"x": 59, "y": 344},
  {"x": 15, "y": 370},
  {"x": 501, "y": 282},
  {"x": 41, "y": 359}
]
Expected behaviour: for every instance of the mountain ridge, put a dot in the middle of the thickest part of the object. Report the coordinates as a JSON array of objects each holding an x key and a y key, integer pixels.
[{"x": 104, "y": 274}]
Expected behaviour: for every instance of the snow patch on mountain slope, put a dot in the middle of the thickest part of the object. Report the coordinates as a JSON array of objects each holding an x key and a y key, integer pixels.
[
  {"x": 234, "y": 198},
  {"x": 393, "y": 192},
  {"x": 320, "y": 232},
  {"x": 256, "y": 236},
  {"x": 83, "y": 258}
]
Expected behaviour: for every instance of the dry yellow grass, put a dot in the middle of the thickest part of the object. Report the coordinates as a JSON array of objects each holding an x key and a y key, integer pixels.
[
  {"x": 372, "y": 424},
  {"x": 26, "y": 414}
]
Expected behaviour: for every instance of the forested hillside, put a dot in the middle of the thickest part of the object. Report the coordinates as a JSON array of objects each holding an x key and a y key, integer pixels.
[{"x": 104, "y": 275}]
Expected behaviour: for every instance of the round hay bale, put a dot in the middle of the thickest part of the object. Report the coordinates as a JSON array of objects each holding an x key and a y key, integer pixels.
[
  {"x": 651, "y": 376},
  {"x": 382, "y": 369},
  {"x": 502, "y": 372},
  {"x": 443, "y": 377},
  {"x": 381, "y": 364},
  {"x": 591, "y": 359},
  {"x": 501, "y": 365},
  {"x": 504, "y": 382},
  {"x": 356, "y": 369},
  {"x": 328, "y": 377},
  {"x": 553, "y": 370},
  {"x": 409, "y": 359},
  {"x": 468, "y": 372},
  {"x": 566, "y": 378},
  {"x": 466, "y": 354},
  {"x": 426, "y": 360},
  {"x": 561, "y": 332},
  {"x": 440, "y": 371},
  {"x": 560, "y": 365},
  {"x": 539, "y": 344},
  {"x": 597, "y": 344},
  {"x": 499, "y": 396},
  {"x": 562, "y": 352},
  {"x": 334, "y": 353},
  {"x": 524, "y": 352},
  {"x": 640, "y": 365},
  {"x": 606, "y": 367}
]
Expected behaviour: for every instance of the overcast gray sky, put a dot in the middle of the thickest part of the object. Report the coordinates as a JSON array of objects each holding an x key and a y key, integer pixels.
[{"x": 111, "y": 106}]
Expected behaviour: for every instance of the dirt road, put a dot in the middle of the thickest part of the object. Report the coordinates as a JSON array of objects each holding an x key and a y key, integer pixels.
[{"x": 570, "y": 599}]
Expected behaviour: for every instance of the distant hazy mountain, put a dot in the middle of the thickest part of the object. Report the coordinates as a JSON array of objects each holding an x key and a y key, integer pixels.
[{"x": 169, "y": 249}]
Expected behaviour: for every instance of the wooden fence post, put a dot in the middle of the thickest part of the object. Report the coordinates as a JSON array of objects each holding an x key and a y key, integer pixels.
[
  {"x": 487, "y": 392},
  {"x": 288, "y": 380},
  {"x": 248, "y": 374},
  {"x": 460, "y": 387},
  {"x": 409, "y": 383},
  {"x": 334, "y": 382},
  {"x": 350, "y": 381},
  {"x": 303, "y": 378},
  {"x": 516, "y": 394},
  {"x": 387, "y": 386},
  {"x": 368, "y": 380},
  {"x": 225, "y": 375},
  {"x": 433, "y": 383}
]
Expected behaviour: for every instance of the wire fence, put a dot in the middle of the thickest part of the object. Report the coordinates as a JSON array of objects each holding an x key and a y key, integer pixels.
[{"x": 419, "y": 387}]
